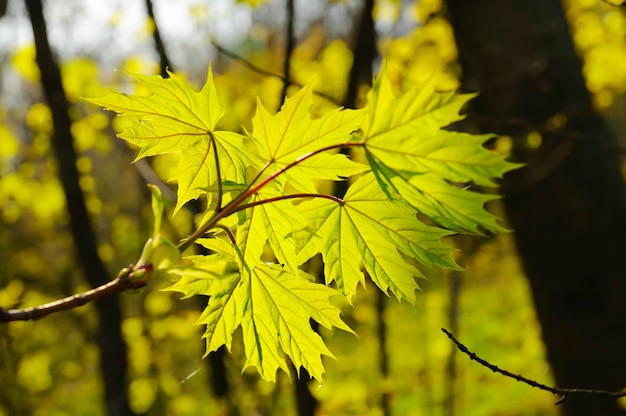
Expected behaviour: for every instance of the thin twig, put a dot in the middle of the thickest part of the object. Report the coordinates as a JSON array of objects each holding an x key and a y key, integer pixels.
[
  {"x": 267, "y": 73},
  {"x": 243, "y": 61},
  {"x": 554, "y": 390},
  {"x": 123, "y": 282}
]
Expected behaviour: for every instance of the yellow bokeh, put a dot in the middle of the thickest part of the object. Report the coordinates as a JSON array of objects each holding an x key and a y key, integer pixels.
[
  {"x": 183, "y": 404},
  {"x": 9, "y": 145},
  {"x": 84, "y": 164},
  {"x": 253, "y": 3},
  {"x": 599, "y": 32},
  {"x": 157, "y": 303},
  {"x": 87, "y": 183},
  {"x": 11, "y": 293},
  {"x": 165, "y": 165},
  {"x": 534, "y": 140},
  {"x": 50, "y": 191},
  {"x": 84, "y": 135},
  {"x": 386, "y": 11},
  {"x": 132, "y": 328},
  {"x": 34, "y": 371},
  {"x": 106, "y": 252},
  {"x": 136, "y": 64},
  {"x": 142, "y": 392},
  {"x": 23, "y": 61},
  {"x": 148, "y": 27},
  {"x": 94, "y": 204},
  {"x": 71, "y": 369},
  {"x": 39, "y": 118},
  {"x": 329, "y": 72},
  {"x": 424, "y": 53},
  {"x": 80, "y": 79}
]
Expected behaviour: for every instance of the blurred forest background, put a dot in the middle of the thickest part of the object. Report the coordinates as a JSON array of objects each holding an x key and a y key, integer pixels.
[{"x": 551, "y": 77}]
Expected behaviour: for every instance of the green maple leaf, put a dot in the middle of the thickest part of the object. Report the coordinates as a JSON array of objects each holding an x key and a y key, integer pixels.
[
  {"x": 276, "y": 222},
  {"x": 287, "y": 136},
  {"x": 414, "y": 158},
  {"x": 270, "y": 304},
  {"x": 367, "y": 227},
  {"x": 178, "y": 119},
  {"x": 418, "y": 168},
  {"x": 198, "y": 277}
]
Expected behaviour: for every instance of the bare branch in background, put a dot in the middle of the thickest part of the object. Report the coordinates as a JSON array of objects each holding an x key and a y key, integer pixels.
[
  {"x": 265, "y": 72},
  {"x": 554, "y": 390}
]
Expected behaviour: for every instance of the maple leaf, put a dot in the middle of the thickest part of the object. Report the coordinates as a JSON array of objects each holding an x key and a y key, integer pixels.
[
  {"x": 287, "y": 136},
  {"x": 270, "y": 304},
  {"x": 417, "y": 168},
  {"x": 276, "y": 222},
  {"x": 178, "y": 119},
  {"x": 367, "y": 227},
  {"x": 414, "y": 158}
]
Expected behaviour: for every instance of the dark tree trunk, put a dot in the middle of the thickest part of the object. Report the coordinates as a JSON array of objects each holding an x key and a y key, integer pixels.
[
  {"x": 567, "y": 206},
  {"x": 113, "y": 360}
]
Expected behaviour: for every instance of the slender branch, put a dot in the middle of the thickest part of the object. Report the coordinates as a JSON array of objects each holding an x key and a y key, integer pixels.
[
  {"x": 299, "y": 160},
  {"x": 229, "y": 233},
  {"x": 123, "y": 282},
  {"x": 267, "y": 73},
  {"x": 258, "y": 176},
  {"x": 218, "y": 204},
  {"x": 289, "y": 47},
  {"x": 554, "y": 390},
  {"x": 246, "y": 62},
  {"x": 284, "y": 197}
]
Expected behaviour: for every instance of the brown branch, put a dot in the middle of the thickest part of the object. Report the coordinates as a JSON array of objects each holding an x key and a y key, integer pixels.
[
  {"x": 554, "y": 390},
  {"x": 123, "y": 282}
]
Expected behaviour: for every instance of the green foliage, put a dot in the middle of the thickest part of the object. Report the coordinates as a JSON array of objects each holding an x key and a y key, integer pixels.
[
  {"x": 414, "y": 159},
  {"x": 264, "y": 192},
  {"x": 176, "y": 119}
]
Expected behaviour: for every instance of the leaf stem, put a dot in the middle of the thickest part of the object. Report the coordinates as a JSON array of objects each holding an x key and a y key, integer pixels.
[
  {"x": 218, "y": 204},
  {"x": 234, "y": 205},
  {"x": 299, "y": 160},
  {"x": 228, "y": 232},
  {"x": 284, "y": 197}
]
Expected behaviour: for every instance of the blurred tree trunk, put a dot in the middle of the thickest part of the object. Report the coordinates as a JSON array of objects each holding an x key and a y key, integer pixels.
[
  {"x": 113, "y": 359},
  {"x": 567, "y": 206}
]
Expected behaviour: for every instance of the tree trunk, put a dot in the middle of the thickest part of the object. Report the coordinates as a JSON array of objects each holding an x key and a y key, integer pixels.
[
  {"x": 568, "y": 205},
  {"x": 113, "y": 360}
]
